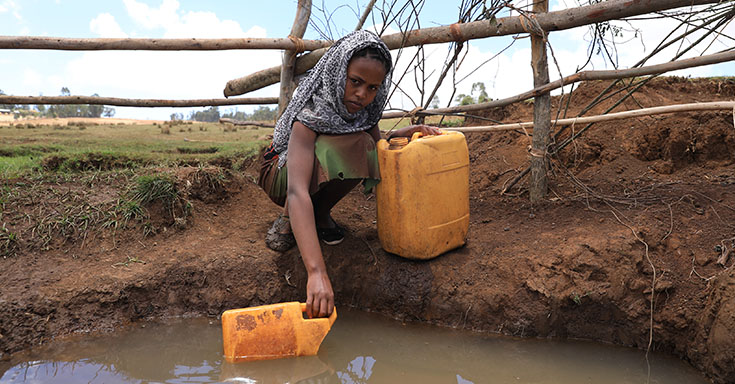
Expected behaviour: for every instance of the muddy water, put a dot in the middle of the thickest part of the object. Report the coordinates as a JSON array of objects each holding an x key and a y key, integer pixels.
[{"x": 361, "y": 348}]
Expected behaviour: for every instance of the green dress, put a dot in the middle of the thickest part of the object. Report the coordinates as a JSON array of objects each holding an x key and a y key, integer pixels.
[{"x": 337, "y": 157}]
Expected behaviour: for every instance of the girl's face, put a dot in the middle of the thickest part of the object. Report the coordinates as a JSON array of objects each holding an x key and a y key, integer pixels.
[{"x": 364, "y": 77}]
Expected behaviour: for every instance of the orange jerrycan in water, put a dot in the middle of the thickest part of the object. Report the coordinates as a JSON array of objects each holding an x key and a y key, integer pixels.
[
  {"x": 272, "y": 331},
  {"x": 423, "y": 195}
]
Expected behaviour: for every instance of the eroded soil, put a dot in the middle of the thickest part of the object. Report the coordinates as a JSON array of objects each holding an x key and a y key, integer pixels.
[{"x": 638, "y": 215}]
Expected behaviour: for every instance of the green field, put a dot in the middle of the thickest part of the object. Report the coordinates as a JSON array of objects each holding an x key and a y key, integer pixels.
[{"x": 29, "y": 148}]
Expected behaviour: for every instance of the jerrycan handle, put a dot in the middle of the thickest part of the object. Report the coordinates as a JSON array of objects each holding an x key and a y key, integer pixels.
[
  {"x": 417, "y": 135},
  {"x": 331, "y": 317}
]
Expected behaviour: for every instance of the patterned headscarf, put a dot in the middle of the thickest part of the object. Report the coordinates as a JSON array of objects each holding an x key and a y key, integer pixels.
[{"x": 317, "y": 101}]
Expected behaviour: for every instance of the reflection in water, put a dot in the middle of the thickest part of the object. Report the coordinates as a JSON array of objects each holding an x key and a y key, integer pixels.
[
  {"x": 293, "y": 370},
  {"x": 358, "y": 370},
  {"x": 360, "y": 349}
]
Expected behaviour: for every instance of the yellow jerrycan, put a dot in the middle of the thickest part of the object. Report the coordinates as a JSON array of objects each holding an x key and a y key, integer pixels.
[
  {"x": 423, "y": 196},
  {"x": 272, "y": 331}
]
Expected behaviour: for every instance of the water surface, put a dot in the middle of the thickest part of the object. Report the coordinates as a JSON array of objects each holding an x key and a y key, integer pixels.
[{"x": 361, "y": 348}]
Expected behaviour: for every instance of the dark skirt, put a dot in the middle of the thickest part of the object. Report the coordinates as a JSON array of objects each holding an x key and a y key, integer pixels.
[{"x": 337, "y": 157}]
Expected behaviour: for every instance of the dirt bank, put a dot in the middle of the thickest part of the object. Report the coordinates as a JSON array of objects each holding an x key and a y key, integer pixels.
[{"x": 636, "y": 206}]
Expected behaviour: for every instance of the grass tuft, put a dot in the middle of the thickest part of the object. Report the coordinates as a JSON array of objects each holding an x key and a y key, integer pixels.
[
  {"x": 8, "y": 242},
  {"x": 197, "y": 150},
  {"x": 131, "y": 210},
  {"x": 93, "y": 161},
  {"x": 151, "y": 188}
]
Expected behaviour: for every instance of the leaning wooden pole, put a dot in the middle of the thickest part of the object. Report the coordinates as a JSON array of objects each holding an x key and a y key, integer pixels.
[
  {"x": 303, "y": 12},
  {"x": 550, "y": 21},
  {"x": 135, "y": 44},
  {"x": 541, "y": 105},
  {"x": 527, "y": 126},
  {"x": 266, "y": 124},
  {"x": 118, "y": 102},
  {"x": 581, "y": 76}
]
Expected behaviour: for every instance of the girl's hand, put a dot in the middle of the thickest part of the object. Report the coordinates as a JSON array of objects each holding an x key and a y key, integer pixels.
[
  {"x": 426, "y": 130},
  {"x": 319, "y": 295}
]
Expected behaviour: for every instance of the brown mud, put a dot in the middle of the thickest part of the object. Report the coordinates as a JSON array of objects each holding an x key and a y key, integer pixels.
[{"x": 639, "y": 212}]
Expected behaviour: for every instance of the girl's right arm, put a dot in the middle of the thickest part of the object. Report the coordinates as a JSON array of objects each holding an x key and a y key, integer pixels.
[
  {"x": 319, "y": 293},
  {"x": 411, "y": 129},
  {"x": 404, "y": 132}
]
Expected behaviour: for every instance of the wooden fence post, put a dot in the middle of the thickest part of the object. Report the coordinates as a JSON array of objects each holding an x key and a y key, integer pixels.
[
  {"x": 289, "y": 56},
  {"x": 541, "y": 105}
]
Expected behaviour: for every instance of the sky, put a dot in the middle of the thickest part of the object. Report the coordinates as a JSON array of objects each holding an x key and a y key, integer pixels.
[{"x": 203, "y": 74}]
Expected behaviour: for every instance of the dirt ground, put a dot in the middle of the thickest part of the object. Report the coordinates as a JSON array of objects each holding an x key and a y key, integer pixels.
[{"x": 624, "y": 251}]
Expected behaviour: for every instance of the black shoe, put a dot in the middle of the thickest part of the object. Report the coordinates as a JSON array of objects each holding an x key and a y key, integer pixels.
[{"x": 331, "y": 236}]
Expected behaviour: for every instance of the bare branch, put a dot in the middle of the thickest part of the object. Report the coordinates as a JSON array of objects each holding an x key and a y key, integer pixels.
[
  {"x": 365, "y": 14},
  {"x": 587, "y": 75}
]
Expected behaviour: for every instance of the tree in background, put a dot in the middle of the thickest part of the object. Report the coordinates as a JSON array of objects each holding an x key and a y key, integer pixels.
[
  {"x": 95, "y": 110},
  {"x": 210, "y": 115},
  {"x": 480, "y": 86},
  {"x": 6, "y": 106},
  {"x": 435, "y": 102},
  {"x": 64, "y": 110},
  {"x": 482, "y": 97},
  {"x": 264, "y": 113},
  {"x": 234, "y": 114},
  {"x": 75, "y": 110},
  {"x": 463, "y": 99}
]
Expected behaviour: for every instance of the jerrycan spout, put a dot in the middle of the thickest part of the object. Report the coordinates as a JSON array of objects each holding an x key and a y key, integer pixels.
[{"x": 272, "y": 331}]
